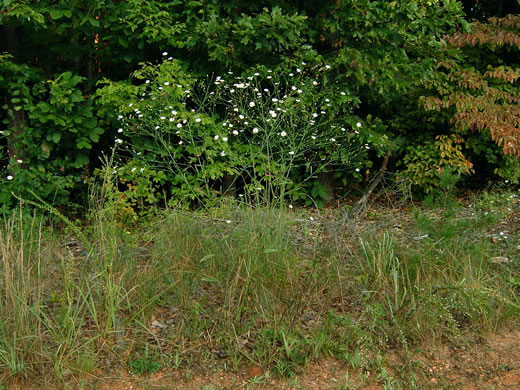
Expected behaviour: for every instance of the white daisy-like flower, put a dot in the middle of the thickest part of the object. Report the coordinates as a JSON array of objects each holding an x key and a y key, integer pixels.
[
  {"x": 216, "y": 137},
  {"x": 162, "y": 118},
  {"x": 166, "y": 83},
  {"x": 228, "y": 221},
  {"x": 358, "y": 124},
  {"x": 313, "y": 136},
  {"x": 291, "y": 74},
  {"x": 255, "y": 130},
  {"x": 198, "y": 120},
  {"x": 19, "y": 161},
  {"x": 165, "y": 53},
  {"x": 225, "y": 139},
  {"x": 120, "y": 130},
  {"x": 291, "y": 153},
  {"x": 179, "y": 125},
  {"x": 235, "y": 109},
  {"x": 241, "y": 116},
  {"x": 119, "y": 141},
  {"x": 272, "y": 113},
  {"x": 299, "y": 91},
  {"x": 257, "y": 74},
  {"x": 274, "y": 100},
  {"x": 235, "y": 132},
  {"x": 251, "y": 104},
  {"x": 343, "y": 93},
  {"x": 290, "y": 206},
  {"x": 171, "y": 119},
  {"x": 327, "y": 66},
  {"x": 180, "y": 142},
  {"x": 333, "y": 139},
  {"x": 222, "y": 153},
  {"x": 357, "y": 169},
  {"x": 283, "y": 133},
  {"x": 175, "y": 112},
  {"x": 314, "y": 82},
  {"x": 157, "y": 127}
]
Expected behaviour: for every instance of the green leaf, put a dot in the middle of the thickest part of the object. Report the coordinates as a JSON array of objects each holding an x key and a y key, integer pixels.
[
  {"x": 93, "y": 21},
  {"x": 56, "y": 14},
  {"x": 55, "y": 137}
]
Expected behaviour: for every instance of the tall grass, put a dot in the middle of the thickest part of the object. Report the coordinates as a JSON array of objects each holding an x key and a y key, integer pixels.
[{"x": 243, "y": 284}]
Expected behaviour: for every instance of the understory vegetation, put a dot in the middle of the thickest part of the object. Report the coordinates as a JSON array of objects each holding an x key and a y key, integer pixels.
[{"x": 242, "y": 285}]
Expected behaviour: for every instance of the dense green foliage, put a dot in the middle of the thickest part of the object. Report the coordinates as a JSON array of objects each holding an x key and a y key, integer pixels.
[{"x": 330, "y": 87}]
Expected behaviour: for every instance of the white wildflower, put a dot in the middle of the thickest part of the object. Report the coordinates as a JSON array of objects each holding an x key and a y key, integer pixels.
[{"x": 283, "y": 133}]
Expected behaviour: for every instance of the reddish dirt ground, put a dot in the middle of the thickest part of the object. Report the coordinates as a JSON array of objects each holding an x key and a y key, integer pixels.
[{"x": 491, "y": 363}]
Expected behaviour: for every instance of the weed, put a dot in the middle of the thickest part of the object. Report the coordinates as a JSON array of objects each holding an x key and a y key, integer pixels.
[{"x": 144, "y": 364}]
